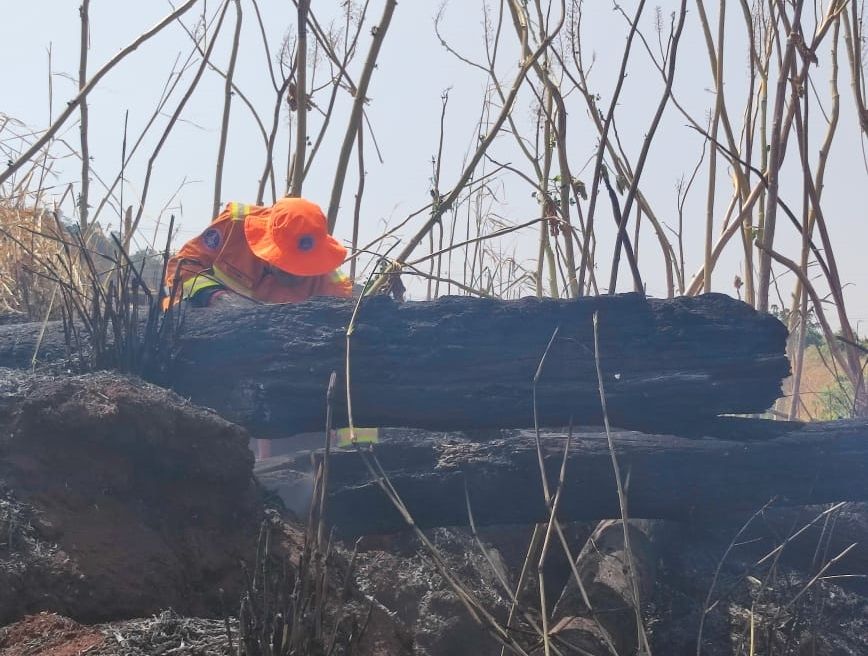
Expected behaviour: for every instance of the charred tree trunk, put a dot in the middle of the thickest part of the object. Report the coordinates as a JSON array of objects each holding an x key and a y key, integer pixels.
[
  {"x": 460, "y": 363},
  {"x": 667, "y": 477}
]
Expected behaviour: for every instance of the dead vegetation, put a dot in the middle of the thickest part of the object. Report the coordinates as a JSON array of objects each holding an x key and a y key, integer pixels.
[{"x": 112, "y": 315}]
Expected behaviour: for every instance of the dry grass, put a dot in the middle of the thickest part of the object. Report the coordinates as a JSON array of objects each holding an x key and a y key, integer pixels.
[
  {"x": 823, "y": 395},
  {"x": 23, "y": 248},
  {"x": 34, "y": 247}
]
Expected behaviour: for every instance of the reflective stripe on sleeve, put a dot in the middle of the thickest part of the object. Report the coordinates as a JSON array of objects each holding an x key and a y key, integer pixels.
[{"x": 197, "y": 283}]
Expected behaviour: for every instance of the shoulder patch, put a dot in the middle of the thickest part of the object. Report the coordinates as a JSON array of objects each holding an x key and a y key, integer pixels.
[{"x": 211, "y": 238}]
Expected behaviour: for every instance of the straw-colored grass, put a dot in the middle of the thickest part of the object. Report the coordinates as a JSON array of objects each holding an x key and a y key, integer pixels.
[{"x": 29, "y": 238}]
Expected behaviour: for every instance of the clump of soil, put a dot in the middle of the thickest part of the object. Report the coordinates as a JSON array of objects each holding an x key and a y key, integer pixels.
[
  {"x": 48, "y": 634},
  {"x": 119, "y": 499}
]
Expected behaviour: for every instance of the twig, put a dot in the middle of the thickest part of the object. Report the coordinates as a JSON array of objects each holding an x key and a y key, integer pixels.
[
  {"x": 819, "y": 574},
  {"x": 553, "y": 510},
  {"x": 777, "y": 550},
  {"x": 504, "y": 584},
  {"x": 540, "y": 462},
  {"x": 177, "y": 114},
  {"x": 646, "y": 146},
  {"x": 360, "y": 190}
]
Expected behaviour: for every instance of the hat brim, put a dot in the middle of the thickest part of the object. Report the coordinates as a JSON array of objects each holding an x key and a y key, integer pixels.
[{"x": 326, "y": 255}]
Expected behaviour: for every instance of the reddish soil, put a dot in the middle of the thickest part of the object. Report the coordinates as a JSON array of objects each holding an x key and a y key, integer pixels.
[
  {"x": 119, "y": 499},
  {"x": 48, "y": 634},
  {"x": 128, "y": 500}
]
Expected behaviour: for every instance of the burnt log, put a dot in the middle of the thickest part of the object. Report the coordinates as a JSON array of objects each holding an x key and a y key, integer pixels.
[
  {"x": 668, "y": 477},
  {"x": 461, "y": 363},
  {"x": 606, "y": 568}
]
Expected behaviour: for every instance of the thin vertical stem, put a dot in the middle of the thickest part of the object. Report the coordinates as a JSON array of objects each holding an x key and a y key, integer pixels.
[
  {"x": 646, "y": 146},
  {"x": 356, "y": 114},
  {"x": 301, "y": 101},
  {"x": 712, "y": 160},
  {"x": 227, "y": 107},
  {"x": 177, "y": 114},
  {"x": 776, "y": 148},
  {"x": 642, "y": 639},
  {"x": 360, "y": 190},
  {"x": 587, "y": 263},
  {"x": 83, "y": 125}
]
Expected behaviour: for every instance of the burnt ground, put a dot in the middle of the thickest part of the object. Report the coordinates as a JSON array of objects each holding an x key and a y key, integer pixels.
[
  {"x": 792, "y": 615},
  {"x": 792, "y": 612},
  {"x": 120, "y": 500}
]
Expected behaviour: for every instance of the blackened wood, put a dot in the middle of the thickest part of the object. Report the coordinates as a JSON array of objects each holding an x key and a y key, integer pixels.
[
  {"x": 461, "y": 363},
  {"x": 606, "y": 568},
  {"x": 668, "y": 477}
]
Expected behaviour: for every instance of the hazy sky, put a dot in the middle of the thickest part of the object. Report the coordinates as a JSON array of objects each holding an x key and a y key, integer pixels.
[{"x": 413, "y": 71}]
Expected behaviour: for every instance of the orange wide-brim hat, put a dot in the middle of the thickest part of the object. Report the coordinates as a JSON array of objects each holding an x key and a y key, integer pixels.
[{"x": 293, "y": 236}]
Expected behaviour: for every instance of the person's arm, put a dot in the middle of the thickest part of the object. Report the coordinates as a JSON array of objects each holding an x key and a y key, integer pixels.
[
  {"x": 187, "y": 263},
  {"x": 190, "y": 266}
]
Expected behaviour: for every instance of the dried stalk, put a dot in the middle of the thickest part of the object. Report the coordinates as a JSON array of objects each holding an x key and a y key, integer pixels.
[
  {"x": 463, "y": 180},
  {"x": 177, "y": 114},
  {"x": 227, "y": 107},
  {"x": 354, "y": 122},
  {"x": 646, "y": 145},
  {"x": 586, "y": 264},
  {"x": 776, "y": 148},
  {"x": 74, "y": 104},
  {"x": 360, "y": 190},
  {"x": 83, "y": 124},
  {"x": 642, "y": 638},
  {"x": 301, "y": 101}
]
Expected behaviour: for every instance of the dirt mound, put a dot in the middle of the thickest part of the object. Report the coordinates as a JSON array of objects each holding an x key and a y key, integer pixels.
[
  {"x": 48, "y": 634},
  {"x": 119, "y": 499}
]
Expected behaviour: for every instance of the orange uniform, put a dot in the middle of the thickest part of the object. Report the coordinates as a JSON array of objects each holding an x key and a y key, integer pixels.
[{"x": 295, "y": 258}]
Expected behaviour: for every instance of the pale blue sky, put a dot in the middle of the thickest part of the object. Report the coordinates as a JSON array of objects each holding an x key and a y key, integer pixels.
[{"x": 405, "y": 95}]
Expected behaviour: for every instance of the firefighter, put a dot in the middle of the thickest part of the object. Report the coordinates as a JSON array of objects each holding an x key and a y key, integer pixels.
[
  {"x": 255, "y": 254},
  {"x": 252, "y": 254}
]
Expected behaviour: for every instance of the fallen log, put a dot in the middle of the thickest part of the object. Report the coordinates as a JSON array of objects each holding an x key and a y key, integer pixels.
[
  {"x": 460, "y": 363},
  {"x": 667, "y": 477}
]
